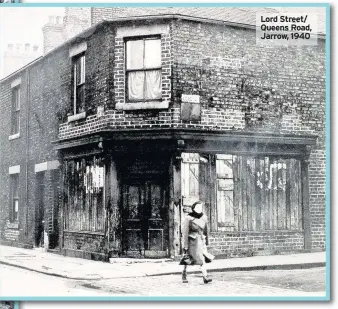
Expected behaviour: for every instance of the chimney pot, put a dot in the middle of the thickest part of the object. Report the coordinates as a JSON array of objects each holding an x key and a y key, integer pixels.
[
  {"x": 35, "y": 48},
  {"x": 51, "y": 19},
  {"x": 27, "y": 45}
]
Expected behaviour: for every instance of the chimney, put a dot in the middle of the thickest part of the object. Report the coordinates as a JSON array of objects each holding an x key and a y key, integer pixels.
[
  {"x": 76, "y": 20},
  {"x": 18, "y": 55},
  {"x": 52, "y": 33},
  {"x": 99, "y": 14}
]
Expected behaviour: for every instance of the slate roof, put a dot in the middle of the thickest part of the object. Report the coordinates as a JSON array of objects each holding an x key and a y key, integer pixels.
[{"x": 240, "y": 15}]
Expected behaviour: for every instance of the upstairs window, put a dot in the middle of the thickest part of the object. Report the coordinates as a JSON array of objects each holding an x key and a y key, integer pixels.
[
  {"x": 79, "y": 77},
  {"x": 143, "y": 69},
  {"x": 15, "y": 123}
]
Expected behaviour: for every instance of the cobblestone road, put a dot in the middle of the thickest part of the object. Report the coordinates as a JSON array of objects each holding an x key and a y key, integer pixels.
[
  {"x": 282, "y": 283},
  {"x": 310, "y": 282}
]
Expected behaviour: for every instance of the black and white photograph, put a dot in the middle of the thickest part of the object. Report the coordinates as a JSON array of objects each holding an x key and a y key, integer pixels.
[
  {"x": 164, "y": 152},
  {"x": 9, "y": 1},
  {"x": 6, "y": 305}
]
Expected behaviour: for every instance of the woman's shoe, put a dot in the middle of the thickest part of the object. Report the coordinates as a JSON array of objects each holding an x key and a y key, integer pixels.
[
  {"x": 207, "y": 280},
  {"x": 184, "y": 277}
]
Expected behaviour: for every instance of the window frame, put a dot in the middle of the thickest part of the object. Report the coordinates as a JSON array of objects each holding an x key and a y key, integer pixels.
[
  {"x": 127, "y": 71},
  {"x": 15, "y": 111},
  {"x": 219, "y": 178},
  {"x": 76, "y": 59}
]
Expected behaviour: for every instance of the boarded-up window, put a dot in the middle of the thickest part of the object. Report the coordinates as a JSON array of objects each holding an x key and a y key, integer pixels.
[
  {"x": 84, "y": 207},
  {"x": 255, "y": 194},
  {"x": 190, "y": 178},
  {"x": 225, "y": 192}
]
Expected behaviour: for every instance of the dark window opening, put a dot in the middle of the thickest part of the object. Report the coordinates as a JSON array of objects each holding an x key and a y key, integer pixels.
[
  {"x": 15, "y": 123},
  {"x": 14, "y": 207},
  {"x": 79, "y": 78}
]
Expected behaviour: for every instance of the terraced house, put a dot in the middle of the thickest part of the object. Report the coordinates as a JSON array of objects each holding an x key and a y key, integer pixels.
[{"x": 108, "y": 139}]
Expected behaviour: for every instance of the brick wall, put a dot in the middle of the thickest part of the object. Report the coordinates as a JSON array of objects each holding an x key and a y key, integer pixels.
[
  {"x": 237, "y": 244},
  {"x": 280, "y": 89},
  {"x": 240, "y": 85},
  {"x": 12, "y": 154},
  {"x": 83, "y": 241}
]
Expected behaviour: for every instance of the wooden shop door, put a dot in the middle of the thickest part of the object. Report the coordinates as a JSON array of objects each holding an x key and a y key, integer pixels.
[{"x": 145, "y": 218}]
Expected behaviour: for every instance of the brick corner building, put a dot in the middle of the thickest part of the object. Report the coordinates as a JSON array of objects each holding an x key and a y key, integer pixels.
[{"x": 108, "y": 139}]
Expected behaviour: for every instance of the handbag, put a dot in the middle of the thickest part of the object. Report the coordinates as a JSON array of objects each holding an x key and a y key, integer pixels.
[
  {"x": 208, "y": 257},
  {"x": 185, "y": 260}
]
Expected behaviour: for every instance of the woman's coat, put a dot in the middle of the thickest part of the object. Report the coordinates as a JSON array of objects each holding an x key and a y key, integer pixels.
[{"x": 195, "y": 236}]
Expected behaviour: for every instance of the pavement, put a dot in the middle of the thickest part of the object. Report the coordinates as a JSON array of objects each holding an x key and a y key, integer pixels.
[{"x": 80, "y": 269}]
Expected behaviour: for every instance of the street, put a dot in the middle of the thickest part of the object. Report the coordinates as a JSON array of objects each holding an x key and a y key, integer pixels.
[{"x": 296, "y": 282}]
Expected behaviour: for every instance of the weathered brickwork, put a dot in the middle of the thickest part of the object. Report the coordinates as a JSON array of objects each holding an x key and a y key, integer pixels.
[
  {"x": 83, "y": 241},
  {"x": 253, "y": 243},
  {"x": 317, "y": 194}
]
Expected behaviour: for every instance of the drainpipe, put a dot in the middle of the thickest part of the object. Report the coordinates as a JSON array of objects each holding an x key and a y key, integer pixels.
[{"x": 27, "y": 144}]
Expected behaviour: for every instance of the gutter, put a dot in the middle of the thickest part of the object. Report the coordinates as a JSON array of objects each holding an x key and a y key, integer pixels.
[{"x": 27, "y": 146}]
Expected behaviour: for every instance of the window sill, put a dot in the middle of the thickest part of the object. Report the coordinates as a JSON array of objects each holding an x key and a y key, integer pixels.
[
  {"x": 14, "y": 136},
  {"x": 142, "y": 105},
  {"x": 76, "y": 117},
  {"x": 13, "y": 225}
]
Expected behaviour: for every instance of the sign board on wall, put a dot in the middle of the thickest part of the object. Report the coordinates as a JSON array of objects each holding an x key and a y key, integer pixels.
[
  {"x": 190, "y": 98},
  {"x": 190, "y": 107}
]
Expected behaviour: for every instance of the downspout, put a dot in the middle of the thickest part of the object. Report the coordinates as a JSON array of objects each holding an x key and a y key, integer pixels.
[{"x": 27, "y": 144}]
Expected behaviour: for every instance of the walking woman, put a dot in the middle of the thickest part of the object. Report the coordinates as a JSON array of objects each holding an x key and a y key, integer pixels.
[{"x": 195, "y": 240}]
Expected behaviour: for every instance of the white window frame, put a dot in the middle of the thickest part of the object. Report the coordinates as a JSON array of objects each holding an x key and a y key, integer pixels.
[{"x": 155, "y": 68}]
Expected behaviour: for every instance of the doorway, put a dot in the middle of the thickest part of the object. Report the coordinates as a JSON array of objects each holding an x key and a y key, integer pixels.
[
  {"x": 40, "y": 209},
  {"x": 145, "y": 219}
]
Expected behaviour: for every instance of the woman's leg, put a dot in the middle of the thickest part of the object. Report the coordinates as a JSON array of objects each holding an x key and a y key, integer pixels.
[
  {"x": 184, "y": 274},
  {"x": 204, "y": 270},
  {"x": 204, "y": 273}
]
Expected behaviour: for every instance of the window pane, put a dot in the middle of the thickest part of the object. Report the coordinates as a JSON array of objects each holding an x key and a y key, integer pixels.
[
  {"x": 16, "y": 98},
  {"x": 83, "y": 70},
  {"x": 15, "y": 122},
  {"x": 78, "y": 71},
  {"x": 15, "y": 110},
  {"x": 153, "y": 87},
  {"x": 152, "y": 57},
  {"x": 225, "y": 208},
  {"x": 135, "y": 53},
  {"x": 15, "y": 186},
  {"x": 80, "y": 99},
  {"x": 136, "y": 85}
]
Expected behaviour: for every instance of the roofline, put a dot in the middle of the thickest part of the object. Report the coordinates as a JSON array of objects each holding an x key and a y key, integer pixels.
[{"x": 131, "y": 18}]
